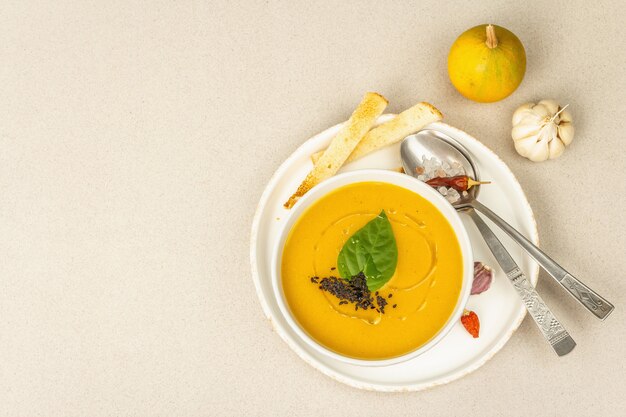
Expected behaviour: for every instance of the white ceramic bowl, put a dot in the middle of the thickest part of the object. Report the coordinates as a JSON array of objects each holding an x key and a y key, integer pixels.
[{"x": 404, "y": 181}]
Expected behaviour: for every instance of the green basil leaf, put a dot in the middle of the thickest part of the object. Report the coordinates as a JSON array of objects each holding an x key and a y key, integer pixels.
[{"x": 371, "y": 250}]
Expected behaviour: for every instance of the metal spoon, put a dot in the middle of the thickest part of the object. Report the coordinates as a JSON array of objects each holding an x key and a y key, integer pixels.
[
  {"x": 441, "y": 146},
  {"x": 431, "y": 143}
]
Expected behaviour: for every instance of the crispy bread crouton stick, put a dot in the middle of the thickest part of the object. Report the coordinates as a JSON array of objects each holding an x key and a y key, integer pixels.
[
  {"x": 388, "y": 133},
  {"x": 342, "y": 145}
]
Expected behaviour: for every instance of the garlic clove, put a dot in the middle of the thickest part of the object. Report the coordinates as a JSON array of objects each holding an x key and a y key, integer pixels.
[
  {"x": 566, "y": 116},
  {"x": 542, "y": 111},
  {"x": 540, "y": 152},
  {"x": 556, "y": 148},
  {"x": 531, "y": 118},
  {"x": 566, "y": 132},
  {"x": 551, "y": 105},
  {"x": 483, "y": 277},
  {"x": 525, "y": 129},
  {"x": 523, "y": 111},
  {"x": 520, "y": 149},
  {"x": 524, "y": 146}
]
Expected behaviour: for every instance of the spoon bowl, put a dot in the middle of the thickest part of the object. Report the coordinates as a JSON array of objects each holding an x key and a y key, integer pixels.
[{"x": 435, "y": 144}]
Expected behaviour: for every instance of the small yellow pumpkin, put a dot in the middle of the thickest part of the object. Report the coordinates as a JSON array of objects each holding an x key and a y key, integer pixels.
[{"x": 487, "y": 63}]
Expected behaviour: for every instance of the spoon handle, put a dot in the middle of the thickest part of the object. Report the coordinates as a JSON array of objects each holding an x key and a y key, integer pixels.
[
  {"x": 596, "y": 304},
  {"x": 552, "y": 330}
]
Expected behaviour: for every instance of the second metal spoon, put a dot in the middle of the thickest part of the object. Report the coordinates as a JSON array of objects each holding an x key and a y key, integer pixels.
[{"x": 436, "y": 144}]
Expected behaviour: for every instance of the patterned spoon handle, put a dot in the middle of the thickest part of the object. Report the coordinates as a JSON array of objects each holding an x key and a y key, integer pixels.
[
  {"x": 594, "y": 302},
  {"x": 550, "y": 327}
]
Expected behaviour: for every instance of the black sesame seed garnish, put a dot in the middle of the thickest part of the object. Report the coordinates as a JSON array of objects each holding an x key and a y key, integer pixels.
[
  {"x": 333, "y": 268},
  {"x": 390, "y": 295},
  {"x": 395, "y": 305},
  {"x": 353, "y": 291},
  {"x": 381, "y": 303}
]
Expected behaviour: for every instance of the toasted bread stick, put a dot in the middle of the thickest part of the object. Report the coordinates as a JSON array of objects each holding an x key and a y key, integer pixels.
[
  {"x": 342, "y": 145},
  {"x": 407, "y": 122}
]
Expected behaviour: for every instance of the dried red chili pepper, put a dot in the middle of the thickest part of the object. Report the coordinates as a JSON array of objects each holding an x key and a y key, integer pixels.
[
  {"x": 470, "y": 321},
  {"x": 459, "y": 183}
]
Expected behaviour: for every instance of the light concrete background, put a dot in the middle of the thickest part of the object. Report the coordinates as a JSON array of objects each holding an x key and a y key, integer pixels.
[{"x": 136, "y": 139}]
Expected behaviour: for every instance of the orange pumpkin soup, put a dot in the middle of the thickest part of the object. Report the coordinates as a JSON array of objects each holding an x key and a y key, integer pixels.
[{"x": 421, "y": 295}]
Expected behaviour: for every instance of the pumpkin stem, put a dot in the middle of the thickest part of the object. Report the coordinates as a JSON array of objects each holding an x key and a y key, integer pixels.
[{"x": 492, "y": 41}]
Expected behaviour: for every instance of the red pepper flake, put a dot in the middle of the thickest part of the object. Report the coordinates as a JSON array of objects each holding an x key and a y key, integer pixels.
[{"x": 470, "y": 321}]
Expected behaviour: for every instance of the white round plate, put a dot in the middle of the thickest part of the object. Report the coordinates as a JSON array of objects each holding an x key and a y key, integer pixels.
[{"x": 500, "y": 309}]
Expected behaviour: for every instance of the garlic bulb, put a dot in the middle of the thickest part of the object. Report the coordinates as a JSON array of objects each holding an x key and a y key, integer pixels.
[{"x": 542, "y": 131}]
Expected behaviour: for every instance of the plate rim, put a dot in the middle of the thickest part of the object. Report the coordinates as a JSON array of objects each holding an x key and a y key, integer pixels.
[{"x": 270, "y": 186}]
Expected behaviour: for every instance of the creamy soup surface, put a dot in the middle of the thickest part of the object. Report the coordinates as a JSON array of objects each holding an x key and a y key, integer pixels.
[{"x": 425, "y": 287}]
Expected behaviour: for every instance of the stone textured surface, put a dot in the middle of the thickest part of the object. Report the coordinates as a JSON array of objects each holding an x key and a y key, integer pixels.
[{"x": 135, "y": 141}]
